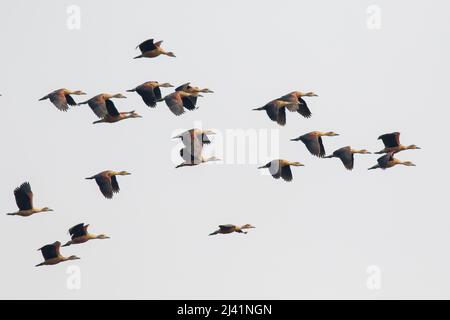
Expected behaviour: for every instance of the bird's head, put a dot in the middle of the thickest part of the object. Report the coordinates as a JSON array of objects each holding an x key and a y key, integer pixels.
[
  {"x": 118, "y": 96},
  {"x": 123, "y": 173},
  {"x": 413, "y": 146},
  {"x": 408, "y": 164},
  {"x": 79, "y": 93},
  {"x": 331, "y": 134},
  {"x": 46, "y": 209},
  {"x": 166, "y": 85},
  {"x": 73, "y": 258},
  {"x": 247, "y": 226},
  {"x": 103, "y": 236}
]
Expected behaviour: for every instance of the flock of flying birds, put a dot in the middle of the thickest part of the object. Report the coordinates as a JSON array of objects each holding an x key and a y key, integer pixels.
[{"x": 185, "y": 98}]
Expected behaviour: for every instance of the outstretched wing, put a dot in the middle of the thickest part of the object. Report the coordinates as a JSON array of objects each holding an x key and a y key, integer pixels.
[
  {"x": 114, "y": 184},
  {"x": 147, "y": 45},
  {"x": 286, "y": 173},
  {"x": 111, "y": 108},
  {"x": 24, "y": 196},
  {"x": 390, "y": 140},
  {"x": 77, "y": 231},
  {"x": 105, "y": 185}
]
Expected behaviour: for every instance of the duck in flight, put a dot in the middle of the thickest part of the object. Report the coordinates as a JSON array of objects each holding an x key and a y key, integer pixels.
[
  {"x": 150, "y": 49},
  {"x": 230, "y": 228},
  {"x": 79, "y": 234},
  {"x": 24, "y": 201},
  {"x": 281, "y": 168},
  {"x": 392, "y": 143},
  {"x": 52, "y": 255},
  {"x": 107, "y": 182},
  {"x": 313, "y": 142},
  {"x": 62, "y": 98}
]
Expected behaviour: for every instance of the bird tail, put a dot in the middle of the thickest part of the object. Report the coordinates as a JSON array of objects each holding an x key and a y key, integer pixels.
[
  {"x": 67, "y": 244},
  {"x": 131, "y": 90},
  {"x": 43, "y": 98},
  {"x": 40, "y": 264},
  {"x": 379, "y": 152},
  {"x": 374, "y": 167},
  {"x": 328, "y": 157},
  {"x": 90, "y": 178},
  {"x": 257, "y": 109},
  {"x": 80, "y": 103},
  {"x": 139, "y": 56},
  {"x": 11, "y": 214},
  {"x": 214, "y": 233}
]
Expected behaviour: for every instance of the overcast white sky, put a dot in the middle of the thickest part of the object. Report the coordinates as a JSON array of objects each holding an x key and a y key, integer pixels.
[{"x": 314, "y": 237}]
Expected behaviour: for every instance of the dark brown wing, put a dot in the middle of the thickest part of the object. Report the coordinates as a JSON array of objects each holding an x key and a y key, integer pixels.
[
  {"x": 59, "y": 100},
  {"x": 314, "y": 144},
  {"x": 390, "y": 140},
  {"x": 384, "y": 160},
  {"x": 70, "y": 100},
  {"x": 276, "y": 114},
  {"x": 189, "y": 102},
  {"x": 286, "y": 173},
  {"x": 24, "y": 196},
  {"x": 303, "y": 108},
  {"x": 114, "y": 184},
  {"x": 346, "y": 156},
  {"x": 111, "y": 108},
  {"x": 147, "y": 45},
  {"x": 50, "y": 251},
  {"x": 77, "y": 231},
  {"x": 175, "y": 103},
  {"x": 226, "y": 227},
  {"x": 105, "y": 185},
  {"x": 183, "y": 87},
  {"x": 98, "y": 106},
  {"x": 157, "y": 93},
  {"x": 148, "y": 95}
]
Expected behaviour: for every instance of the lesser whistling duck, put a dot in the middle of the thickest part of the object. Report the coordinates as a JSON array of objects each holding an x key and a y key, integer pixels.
[
  {"x": 150, "y": 49},
  {"x": 281, "y": 168},
  {"x": 113, "y": 115},
  {"x": 107, "y": 182},
  {"x": 193, "y": 135},
  {"x": 192, "y": 155},
  {"x": 275, "y": 109},
  {"x": 392, "y": 143},
  {"x": 230, "y": 228},
  {"x": 24, "y": 201},
  {"x": 99, "y": 102},
  {"x": 346, "y": 154},
  {"x": 298, "y": 103},
  {"x": 150, "y": 92},
  {"x": 313, "y": 141},
  {"x": 61, "y": 98},
  {"x": 79, "y": 234},
  {"x": 178, "y": 101},
  {"x": 388, "y": 161},
  {"x": 52, "y": 255},
  {"x": 191, "y": 101}
]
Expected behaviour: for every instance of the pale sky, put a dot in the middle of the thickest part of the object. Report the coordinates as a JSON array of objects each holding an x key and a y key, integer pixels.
[{"x": 315, "y": 237}]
